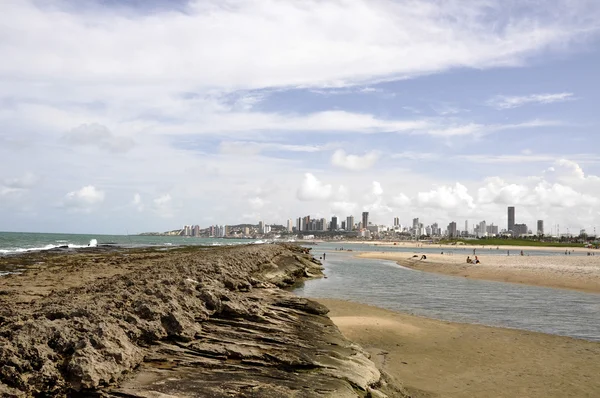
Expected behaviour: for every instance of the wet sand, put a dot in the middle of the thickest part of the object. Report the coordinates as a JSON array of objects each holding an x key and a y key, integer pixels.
[
  {"x": 566, "y": 272},
  {"x": 433, "y": 358}
]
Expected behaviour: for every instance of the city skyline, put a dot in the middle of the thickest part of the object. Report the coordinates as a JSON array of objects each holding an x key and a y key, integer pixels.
[
  {"x": 159, "y": 112},
  {"x": 479, "y": 229}
]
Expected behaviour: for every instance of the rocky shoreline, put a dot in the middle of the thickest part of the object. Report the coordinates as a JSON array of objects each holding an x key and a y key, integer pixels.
[{"x": 193, "y": 322}]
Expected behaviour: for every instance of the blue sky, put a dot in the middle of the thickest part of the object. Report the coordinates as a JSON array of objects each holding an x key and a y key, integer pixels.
[{"x": 138, "y": 116}]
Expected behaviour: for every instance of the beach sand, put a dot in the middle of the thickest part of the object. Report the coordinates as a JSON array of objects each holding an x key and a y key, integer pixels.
[
  {"x": 433, "y": 358},
  {"x": 568, "y": 272}
]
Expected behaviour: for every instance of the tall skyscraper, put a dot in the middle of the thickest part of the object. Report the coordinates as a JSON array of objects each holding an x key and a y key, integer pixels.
[
  {"x": 290, "y": 225},
  {"x": 334, "y": 224},
  {"x": 511, "y": 218},
  {"x": 396, "y": 221},
  {"x": 540, "y": 227},
  {"x": 365, "y": 219},
  {"x": 452, "y": 231},
  {"x": 467, "y": 226},
  {"x": 349, "y": 223}
]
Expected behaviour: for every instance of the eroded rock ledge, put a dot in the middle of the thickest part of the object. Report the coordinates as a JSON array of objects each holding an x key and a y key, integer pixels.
[{"x": 189, "y": 322}]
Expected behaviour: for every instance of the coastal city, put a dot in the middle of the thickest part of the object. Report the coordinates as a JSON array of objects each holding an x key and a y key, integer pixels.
[{"x": 308, "y": 227}]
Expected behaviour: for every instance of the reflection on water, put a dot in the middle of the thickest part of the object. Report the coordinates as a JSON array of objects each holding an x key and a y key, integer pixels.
[{"x": 387, "y": 285}]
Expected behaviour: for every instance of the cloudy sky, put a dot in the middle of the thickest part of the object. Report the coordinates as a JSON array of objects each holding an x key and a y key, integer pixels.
[{"x": 137, "y": 115}]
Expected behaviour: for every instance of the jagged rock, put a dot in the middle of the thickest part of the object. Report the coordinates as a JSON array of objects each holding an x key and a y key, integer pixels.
[{"x": 194, "y": 322}]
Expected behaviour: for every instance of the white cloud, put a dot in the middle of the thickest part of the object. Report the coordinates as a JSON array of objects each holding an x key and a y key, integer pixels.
[
  {"x": 19, "y": 185},
  {"x": 377, "y": 189},
  {"x": 344, "y": 209},
  {"x": 498, "y": 191},
  {"x": 254, "y": 148},
  {"x": 163, "y": 206},
  {"x": 508, "y": 102},
  {"x": 257, "y": 203},
  {"x": 401, "y": 201},
  {"x": 354, "y": 162},
  {"x": 99, "y": 136},
  {"x": 275, "y": 43},
  {"x": 313, "y": 189},
  {"x": 447, "y": 197},
  {"x": 83, "y": 199},
  {"x": 137, "y": 202}
]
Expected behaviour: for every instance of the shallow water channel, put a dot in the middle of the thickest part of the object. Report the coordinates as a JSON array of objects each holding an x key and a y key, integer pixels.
[{"x": 388, "y": 285}]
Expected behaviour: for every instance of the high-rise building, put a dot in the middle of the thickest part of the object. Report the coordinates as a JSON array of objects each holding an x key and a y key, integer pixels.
[
  {"x": 196, "y": 230},
  {"x": 452, "y": 230},
  {"x": 415, "y": 223},
  {"x": 511, "y": 218},
  {"x": 520, "y": 229},
  {"x": 467, "y": 226},
  {"x": 365, "y": 219},
  {"x": 396, "y": 221},
  {"x": 334, "y": 224},
  {"x": 540, "y": 227},
  {"x": 299, "y": 224},
  {"x": 290, "y": 225},
  {"x": 349, "y": 223},
  {"x": 343, "y": 225},
  {"x": 261, "y": 227}
]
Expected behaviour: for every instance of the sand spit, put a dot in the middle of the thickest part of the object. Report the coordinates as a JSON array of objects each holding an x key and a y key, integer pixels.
[
  {"x": 444, "y": 359},
  {"x": 185, "y": 322},
  {"x": 567, "y": 272}
]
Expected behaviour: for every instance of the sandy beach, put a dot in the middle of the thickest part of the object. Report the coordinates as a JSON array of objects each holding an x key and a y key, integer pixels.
[
  {"x": 513, "y": 249},
  {"x": 567, "y": 272},
  {"x": 434, "y": 358}
]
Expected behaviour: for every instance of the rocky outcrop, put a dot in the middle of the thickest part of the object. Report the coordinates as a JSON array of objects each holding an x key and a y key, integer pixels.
[{"x": 187, "y": 322}]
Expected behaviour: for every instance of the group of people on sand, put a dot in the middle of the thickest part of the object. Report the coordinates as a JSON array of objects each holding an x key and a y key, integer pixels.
[{"x": 471, "y": 261}]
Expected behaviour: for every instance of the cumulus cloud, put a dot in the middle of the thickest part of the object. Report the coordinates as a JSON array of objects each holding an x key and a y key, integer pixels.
[
  {"x": 84, "y": 199},
  {"x": 354, "y": 162},
  {"x": 257, "y": 203},
  {"x": 313, "y": 189},
  {"x": 498, "y": 191},
  {"x": 508, "y": 102},
  {"x": 447, "y": 197},
  {"x": 99, "y": 136}
]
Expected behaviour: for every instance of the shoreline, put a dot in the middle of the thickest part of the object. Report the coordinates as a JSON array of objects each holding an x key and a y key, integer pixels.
[
  {"x": 434, "y": 358},
  {"x": 581, "y": 273}
]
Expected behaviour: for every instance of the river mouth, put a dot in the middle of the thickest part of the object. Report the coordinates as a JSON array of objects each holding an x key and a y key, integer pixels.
[{"x": 388, "y": 285}]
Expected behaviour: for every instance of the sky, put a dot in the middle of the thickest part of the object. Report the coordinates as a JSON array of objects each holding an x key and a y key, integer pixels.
[{"x": 132, "y": 116}]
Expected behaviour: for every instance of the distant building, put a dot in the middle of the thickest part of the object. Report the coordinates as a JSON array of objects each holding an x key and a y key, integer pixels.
[
  {"x": 540, "y": 227},
  {"x": 520, "y": 229},
  {"x": 452, "y": 230},
  {"x": 365, "y": 219},
  {"x": 334, "y": 224},
  {"x": 196, "y": 230},
  {"x": 261, "y": 227},
  {"x": 492, "y": 230},
  {"x": 343, "y": 226},
  {"x": 511, "y": 219},
  {"x": 396, "y": 221},
  {"x": 290, "y": 225},
  {"x": 349, "y": 223}
]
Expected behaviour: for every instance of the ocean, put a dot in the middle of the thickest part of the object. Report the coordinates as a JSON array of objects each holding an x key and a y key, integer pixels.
[{"x": 22, "y": 242}]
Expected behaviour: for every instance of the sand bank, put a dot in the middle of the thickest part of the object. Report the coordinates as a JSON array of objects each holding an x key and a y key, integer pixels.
[
  {"x": 567, "y": 272},
  {"x": 442, "y": 359},
  {"x": 468, "y": 248}
]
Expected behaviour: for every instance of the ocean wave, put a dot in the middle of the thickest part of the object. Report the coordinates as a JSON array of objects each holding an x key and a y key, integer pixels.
[{"x": 16, "y": 250}]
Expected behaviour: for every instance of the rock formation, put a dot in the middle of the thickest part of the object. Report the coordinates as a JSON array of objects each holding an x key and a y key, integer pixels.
[{"x": 191, "y": 322}]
